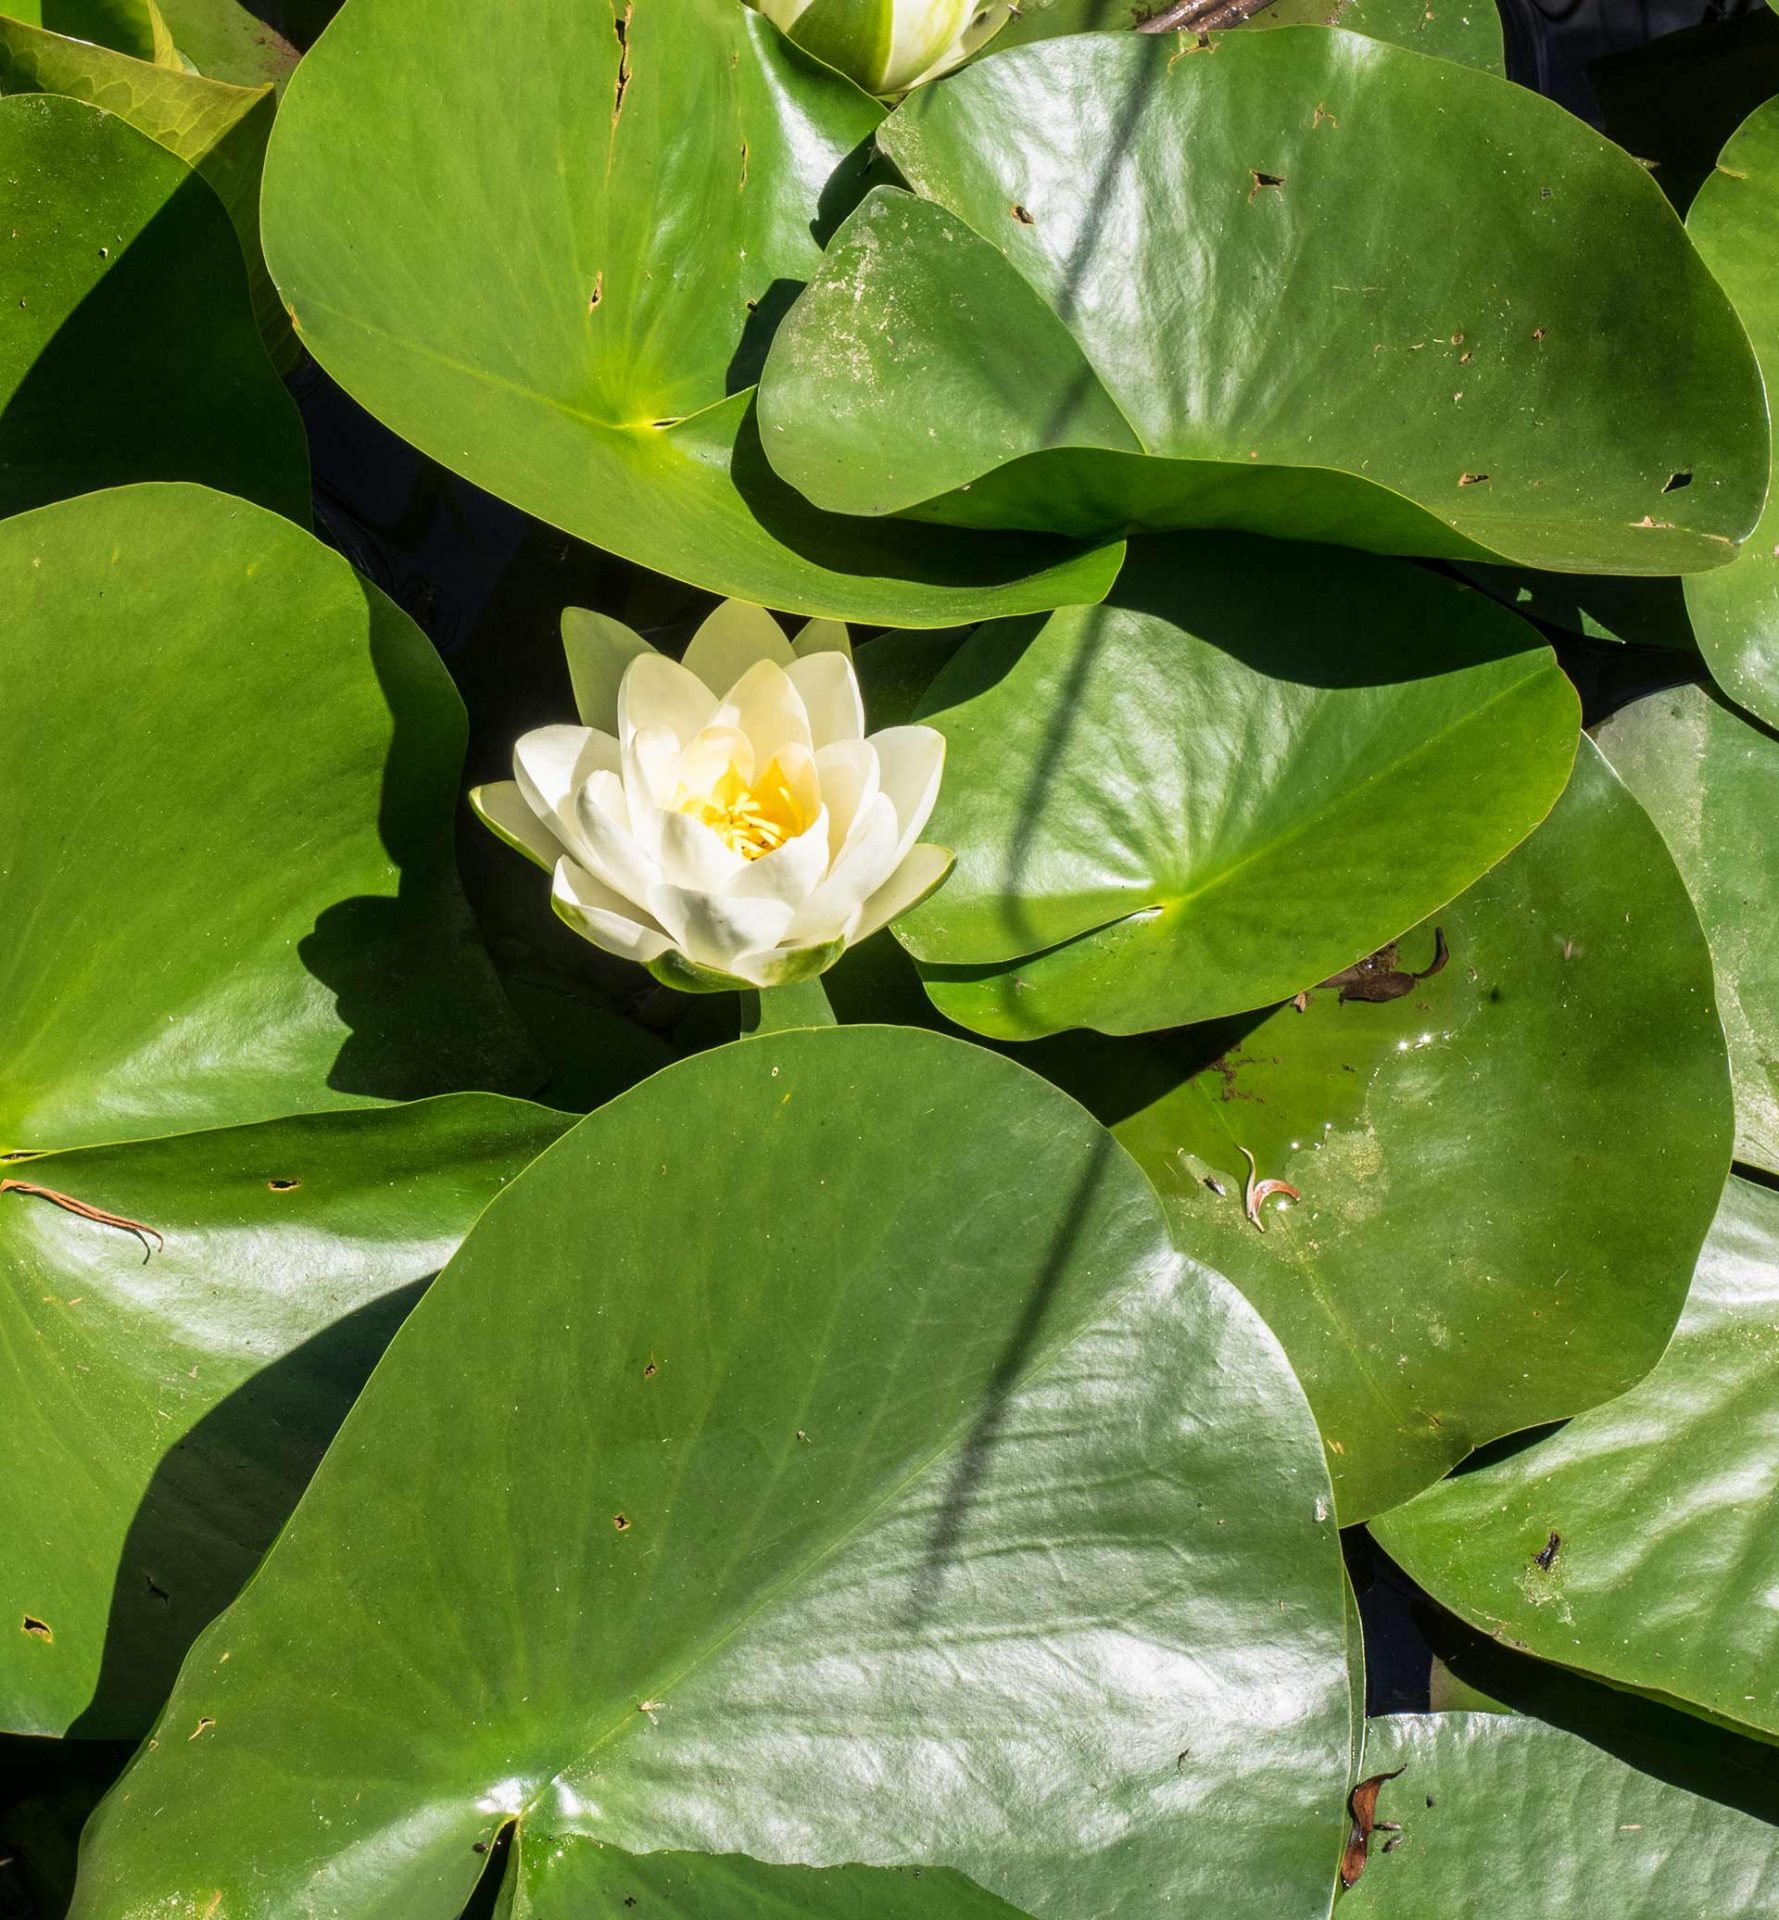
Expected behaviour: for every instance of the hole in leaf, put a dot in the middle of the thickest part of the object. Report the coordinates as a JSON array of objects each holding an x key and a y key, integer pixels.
[
  {"x": 621, "y": 1521},
  {"x": 284, "y": 1186},
  {"x": 1676, "y": 481},
  {"x": 1471, "y": 479},
  {"x": 37, "y": 1629},
  {"x": 1022, "y": 216}
]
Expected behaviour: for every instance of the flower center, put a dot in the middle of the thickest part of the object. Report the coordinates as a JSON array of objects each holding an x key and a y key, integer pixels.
[{"x": 751, "y": 820}]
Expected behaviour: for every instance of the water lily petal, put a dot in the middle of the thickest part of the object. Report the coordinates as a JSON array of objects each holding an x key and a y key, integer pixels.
[
  {"x": 711, "y": 753},
  {"x": 551, "y": 764},
  {"x": 782, "y": 966},
  {"x": 790, "y": 873},
  {"x": 599, "y": 915},
  {"x": 651, "y": 768},
  {"x": 830, "y": 691},
  {"x": 735, "y": 637},
  {"x": 849, "y": 781},
  {"x": 910, "y": 884},
  {"x": 866, "y": 863},
  {"x": 658, "y": 692},
  {"x": 713, "y": 930},
  {"x": 823, "y": 636},
  {"x": 912, "y": 760},
  {"x": 689, "y": 854},
  {"x": 767, "y": 707},
  {"x": 598, "y": 650},
  {"x": 501, "y": 807},
  {"x": 608, "y": 849}
]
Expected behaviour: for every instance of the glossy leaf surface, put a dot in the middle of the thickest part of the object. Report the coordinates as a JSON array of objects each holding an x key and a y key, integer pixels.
[
  {"x": 1666, "y": 1564},
  {"x": 569, "y": 304},
  {"x": 1127, "y": 253},
  {"x": 1484, "y": 1240},
  {"x": 1505, "y": 1817},
  {"x": 1252, "y": 767},
  {"x": 1734, "y": 223},
  {"x": 1469, "y": 31},
  {"x": 165, "y": 1412},
  {"x": 1710, "y": 780},
  {"x": 130, "y": 351},
  {"x": 218, "y": 129},
  {"x": 854, "y": 1474},
  {"x": 227, "y": 889}
]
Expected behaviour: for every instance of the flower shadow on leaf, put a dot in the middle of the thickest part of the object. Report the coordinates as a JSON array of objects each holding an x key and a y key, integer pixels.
[{"x": 413, "y": 985}]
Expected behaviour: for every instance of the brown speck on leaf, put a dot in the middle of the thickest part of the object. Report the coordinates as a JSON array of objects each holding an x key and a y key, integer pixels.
[
  {"x": 1471, "y": 479},
  {"x": 649, "y": 1372},
  {"x": 1537, "y": 333},
  {"x": 1301, "y": 1000},
  {"x": 1362, "y": 1805},
  {"x": 1216, "y": 1186},
  {"x": 1021, "y": 214},
  {"x": 1546, "y": 1556}
]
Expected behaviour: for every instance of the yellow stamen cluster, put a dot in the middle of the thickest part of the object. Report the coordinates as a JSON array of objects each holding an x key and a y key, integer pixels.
[{"x": 751, "y": 820}]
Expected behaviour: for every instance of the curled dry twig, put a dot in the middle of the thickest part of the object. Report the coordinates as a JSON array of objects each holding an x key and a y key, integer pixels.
[{"x": 98, "y": 1215}]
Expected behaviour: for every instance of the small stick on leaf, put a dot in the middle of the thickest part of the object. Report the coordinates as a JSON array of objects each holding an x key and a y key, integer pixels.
[
  {"x": 97, "y": 1215},
  {"x": 1260, "y": 1191}
]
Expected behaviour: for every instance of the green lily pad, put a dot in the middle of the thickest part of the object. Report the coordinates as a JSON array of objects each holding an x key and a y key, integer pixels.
[
  {"x": 165, "y": 1412},
  {"x": 1505, "y": 1819},
  {"x": 1710, "y": 780},
  {"x": 227, "y": 890},
  {"x": 1664, "y": 1568},
  {"x": 1601, "y": 606},
  {"x": 1253, "y": 766},
  {"x": 1734, "y": 223},
  {"x": 217, "y": 129},
  {"x": 554, "y": 1876},
  {"x": 568, "y": 304},
  {"x": 130, "y": 351},
  {"x": 1484, "y": 1241},
  {"x": 227, "y": 41},
  {"x": 853, "y": 1475},
  {"x": 134, "y": 27},
  {"x": 1106, "y": 327},
  {"x": 1467, "y": 30}
]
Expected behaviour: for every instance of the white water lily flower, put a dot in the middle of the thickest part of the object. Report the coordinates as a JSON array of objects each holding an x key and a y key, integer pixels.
[
  {"x": 723, "y": 820},
  {"x": 888, "y": 46}
]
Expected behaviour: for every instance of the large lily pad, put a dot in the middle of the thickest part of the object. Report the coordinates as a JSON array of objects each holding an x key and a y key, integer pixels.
[
  {"x": 1734, "y": 223},
  {"x": 130, "y": 351},
  {"x": 1257, "y": 764},
  {"x": 163, "y": 1415},
  {"x": 1710, "y": 780},
  {"x": 568, "y": 301},
  {"x": 227, "y": 890},
  {"x": 1484, "y": 1240},
  {"x": 1505, "y": 1819},
  {"x": 218, "y": 129},
  {"x": 854, "y": 1475},
  {"x": 1666, "y": 1563},
  {"x": 1467, "y": 30},
  {"x": 1127, "y": 253}
]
